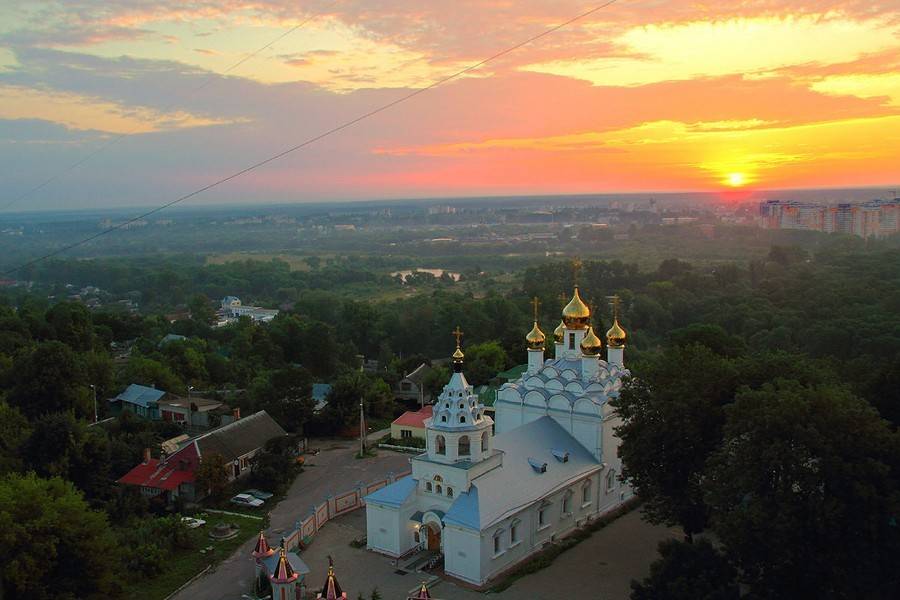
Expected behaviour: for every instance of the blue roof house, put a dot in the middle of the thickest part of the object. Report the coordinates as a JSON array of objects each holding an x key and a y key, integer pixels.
[{"x": 138, "y": 399}]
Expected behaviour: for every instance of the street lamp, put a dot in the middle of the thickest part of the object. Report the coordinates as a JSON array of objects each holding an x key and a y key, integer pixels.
[{"x": 94, "y": 390}]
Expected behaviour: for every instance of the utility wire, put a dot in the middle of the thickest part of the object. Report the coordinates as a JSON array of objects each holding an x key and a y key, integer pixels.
[
  {"x": 314, "y": 139},
  {"x": 115, "y": 139}
]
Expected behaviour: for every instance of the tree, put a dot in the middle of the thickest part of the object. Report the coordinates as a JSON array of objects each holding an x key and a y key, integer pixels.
[
  {"x": 14, "y": 431},
  {"x": 201, "y": 309},
  {"x": 688, "y": 572},
  {"x": 53, "y": 545},
  {"x": 149, "y": 372},
  {"x": 672, "y": 421},
  {"x": 49, "y": 378},
  {"x": 212, "y": 475},
  {"x": 805, "y": 493},
  {"x": 484, "y": 361},
  {"x": 72, "y": 325},
  {"x": 286, "y": 394}
]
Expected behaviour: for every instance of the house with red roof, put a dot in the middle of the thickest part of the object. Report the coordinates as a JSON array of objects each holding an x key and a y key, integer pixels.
[
  {"x": 173, "y": 475},
  {"x": 411, "y": 424}
]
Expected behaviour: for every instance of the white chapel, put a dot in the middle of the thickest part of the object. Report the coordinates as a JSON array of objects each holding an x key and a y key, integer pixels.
[{"x": 485, "y": 501}]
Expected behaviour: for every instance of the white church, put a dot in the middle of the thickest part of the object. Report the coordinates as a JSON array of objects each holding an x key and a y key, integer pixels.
[{"x": 487, "y": 501}]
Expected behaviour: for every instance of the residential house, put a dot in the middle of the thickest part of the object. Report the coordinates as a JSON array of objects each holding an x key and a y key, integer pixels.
[
  {"x": 174, "y": 475},
  {"x": 411, "y": 424},
  {"x": 138, "y": 399},
  {"x": 412, "y": 387}
]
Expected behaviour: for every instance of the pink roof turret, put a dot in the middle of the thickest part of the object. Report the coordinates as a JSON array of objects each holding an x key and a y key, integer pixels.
[
  {"x": 262, "y": 549},
  {"x": 283, "y": 571}
]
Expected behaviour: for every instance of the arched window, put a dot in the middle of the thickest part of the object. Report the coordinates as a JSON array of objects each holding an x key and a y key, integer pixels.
[
  {"x": 514, "y": 532},
  {"x": 464, "y": 449},
  {"x": 586, "y": 493},
  {"x": 611, "y": 481},
  {"x": 462, "y": 418},
  {"x": 438, "y": 489},
  {"x": 567, "y": 503},
  {"x": 484, "y": 442},
  {"x": 427, "y": 486},
  {"x": 498, "y": 541},
  {"x": 440, "y": 445},
  {"x": 461, "y": 406},
  {"x": 449, "y": 492},
  {"x": 443, "y": 418},
  {"x": 438, "y": 478}
]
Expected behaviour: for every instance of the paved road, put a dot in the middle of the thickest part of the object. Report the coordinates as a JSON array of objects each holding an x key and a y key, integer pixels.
[{"x": 333, "y": 470}]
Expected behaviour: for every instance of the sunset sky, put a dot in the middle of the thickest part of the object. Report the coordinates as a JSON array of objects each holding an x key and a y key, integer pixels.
[{"x": 643, "y": 95}]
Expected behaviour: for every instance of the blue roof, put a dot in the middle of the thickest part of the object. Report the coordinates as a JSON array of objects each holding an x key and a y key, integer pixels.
[
  {"x": 320, "y": 390},
  {"x": 394, "y": 494},
  {"x": 140, "y": 395},
  {"x": 464, "y": 511}
]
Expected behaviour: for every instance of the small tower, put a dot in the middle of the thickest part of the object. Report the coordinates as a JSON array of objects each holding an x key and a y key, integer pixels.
[
  {"x": 422, "y": 594},
  {"x": 283, "y": 579},
  {"x": 458, "y": 430},
  {"x": 615, "y": 339},
  {"x": 261, "y": 551},
  {"x": 559, "y": 336},
  {"x": 535, "y": 342},
  {"x": 591, "y": 346},
  {"x": 332, "y": 589}
]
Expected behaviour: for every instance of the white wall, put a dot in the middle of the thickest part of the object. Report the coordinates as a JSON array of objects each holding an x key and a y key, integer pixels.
[
  {"x": 462, "y": 553},
  {"x": 383, "y": 529}
]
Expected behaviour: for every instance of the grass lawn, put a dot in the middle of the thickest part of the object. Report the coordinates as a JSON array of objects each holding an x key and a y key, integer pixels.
[{"x": 183, "y": 565}]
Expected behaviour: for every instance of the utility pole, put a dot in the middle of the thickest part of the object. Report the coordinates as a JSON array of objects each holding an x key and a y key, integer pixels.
[
  {"x": 362, "y": 429},
  {"x": 94, "y": 390},
  {"x": 190, "y": 411}
]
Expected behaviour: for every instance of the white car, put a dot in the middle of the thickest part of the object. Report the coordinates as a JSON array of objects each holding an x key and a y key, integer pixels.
[
  {"x": 246, "y": 500},
  {"x": 192, "y": 523}
]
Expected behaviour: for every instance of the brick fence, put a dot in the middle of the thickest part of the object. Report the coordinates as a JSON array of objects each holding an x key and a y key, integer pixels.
[{"x": 334, "y": 506}]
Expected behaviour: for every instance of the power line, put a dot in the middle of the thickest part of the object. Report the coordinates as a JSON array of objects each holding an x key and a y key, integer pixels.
[
  {"x": 314, "y": 139},
  {"x": 115, "y": 139}
]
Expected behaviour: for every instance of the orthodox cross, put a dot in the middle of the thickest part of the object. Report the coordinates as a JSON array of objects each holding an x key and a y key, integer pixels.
[
  {"x": 535, "y": 303},
  {"x": 614, "y": 301},
  {"x": 576, "y": 269},
  {"x": 458, "y": 334}
]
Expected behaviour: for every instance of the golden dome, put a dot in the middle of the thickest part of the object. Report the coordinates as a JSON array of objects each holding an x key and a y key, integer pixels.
[
  {"x": 559, "y": 333},
  {"x": 458, "y": 355},
  {"x": 591, "y": 344},
  {"x": 576, "y": 314},
  {"x": 615, "y": 337},
  {"x": 535, "y": 338}
]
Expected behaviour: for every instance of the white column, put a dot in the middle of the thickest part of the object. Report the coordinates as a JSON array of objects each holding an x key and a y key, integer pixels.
[
  {"x": 616, "y": 356},
  {"x": 535, "y": 360},
  {"x": 590, "y": 366},
  {"x": 559, "y": 350}
]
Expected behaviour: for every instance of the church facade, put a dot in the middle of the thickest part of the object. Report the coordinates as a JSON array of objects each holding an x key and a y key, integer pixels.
[{"x": 486, "y": 501}]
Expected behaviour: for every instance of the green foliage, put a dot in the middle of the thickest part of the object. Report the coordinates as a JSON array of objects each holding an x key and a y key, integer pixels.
[
  {"x": 804, "y": 493},
  {"x": 688, "y": 572},
  {"x": 286, "y": 394},
  {"x": 49, "y": 378},
  {"x": 484, "y": 361},
  {"x": 342, "y": 409},
  {"x": 14, "y": 431},
  {"x": 53, "y": 545},
  {"x": 211, "y": 476}
]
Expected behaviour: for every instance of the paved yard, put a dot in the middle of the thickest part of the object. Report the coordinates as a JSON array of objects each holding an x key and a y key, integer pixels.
[
  {"x": 333, "y": 470},
  {"x": 599, "y": 568}
]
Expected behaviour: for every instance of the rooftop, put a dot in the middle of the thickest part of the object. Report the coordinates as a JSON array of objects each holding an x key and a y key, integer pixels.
[{"x": 414, "y": 418}]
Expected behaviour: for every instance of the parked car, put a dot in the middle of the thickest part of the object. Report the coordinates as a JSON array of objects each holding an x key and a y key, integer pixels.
[
  {"x": 246, "y": 500},
  {"x": 258, "y": 494},
  {"x": 193, "y": 523}
]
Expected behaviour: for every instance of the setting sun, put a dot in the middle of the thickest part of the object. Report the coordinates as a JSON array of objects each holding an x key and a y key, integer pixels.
[{"x": 736, "y": 179}]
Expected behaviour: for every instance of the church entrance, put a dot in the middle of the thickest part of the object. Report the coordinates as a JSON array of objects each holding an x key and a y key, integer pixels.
[{"x": 432, "y": 537}]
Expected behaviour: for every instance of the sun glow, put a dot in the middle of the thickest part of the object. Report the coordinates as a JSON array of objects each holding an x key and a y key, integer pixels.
[{"x": 736, "y": 179}]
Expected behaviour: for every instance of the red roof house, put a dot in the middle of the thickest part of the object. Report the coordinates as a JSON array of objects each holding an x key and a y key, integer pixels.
[{"x": 411, "y": 424}]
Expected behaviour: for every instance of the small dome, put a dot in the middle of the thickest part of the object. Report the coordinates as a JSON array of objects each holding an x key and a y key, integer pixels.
[
  {"x": 559, "y": 333},
  {"x": 591, "y": 345},
  {"x": 576, "y": 314},
  {"x": 535, "y": 338},
  {"x": 615, "y": 337}
]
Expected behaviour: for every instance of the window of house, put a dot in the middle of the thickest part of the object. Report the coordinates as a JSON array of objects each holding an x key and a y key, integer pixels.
[
  {"x": 586, "y": 494},
  {"x": 461, "y": 406},
  {"x": 443, "y": 418},
  {"x": 438, "y": 478},
  {"x": 484, "y": 441},
  {"x": 405, "y": 433},
  {"x": 462, "y": 418},
  {"x": 498, "y": 542},
  {"x": 571, "y": 341},
  {"x": 464, "y": 448},
  {"x": 514, "y": 533},
  {"x": 438, "y": 489},
  {"x": 542, "y": 517},
  {"x": 567, "y": 503},
  {"x": 610, "y": 481},
  {"x": 449, "y": 492},
  {"x": 427, "y": 486},
  {"x": 440, "y": 445}
]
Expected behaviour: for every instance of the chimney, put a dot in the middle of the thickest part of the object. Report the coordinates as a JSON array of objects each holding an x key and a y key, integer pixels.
[
  {"x": 146, "y": 455},
  {"x": 236, "y": 413}
]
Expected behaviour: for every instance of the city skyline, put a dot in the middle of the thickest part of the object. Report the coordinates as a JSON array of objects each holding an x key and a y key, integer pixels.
[{"x": 636, "y": 97}]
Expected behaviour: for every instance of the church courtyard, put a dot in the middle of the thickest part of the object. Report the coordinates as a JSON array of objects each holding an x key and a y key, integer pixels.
[{"x": 605, "y": 564}]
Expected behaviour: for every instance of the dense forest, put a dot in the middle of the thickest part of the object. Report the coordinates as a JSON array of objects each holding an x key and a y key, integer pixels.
[{"x": 794, "y": 355}]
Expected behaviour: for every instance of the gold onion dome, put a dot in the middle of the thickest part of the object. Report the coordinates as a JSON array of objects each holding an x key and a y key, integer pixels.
[
  {"x": 535, "y": 338},
  {"x": 576, "y": 314},
  {"x": 615, "y": 337},
  {"x": 458, "y": 355},
  {"x": 559, "y": 333},
  {"x": 591, "y": 345}
]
